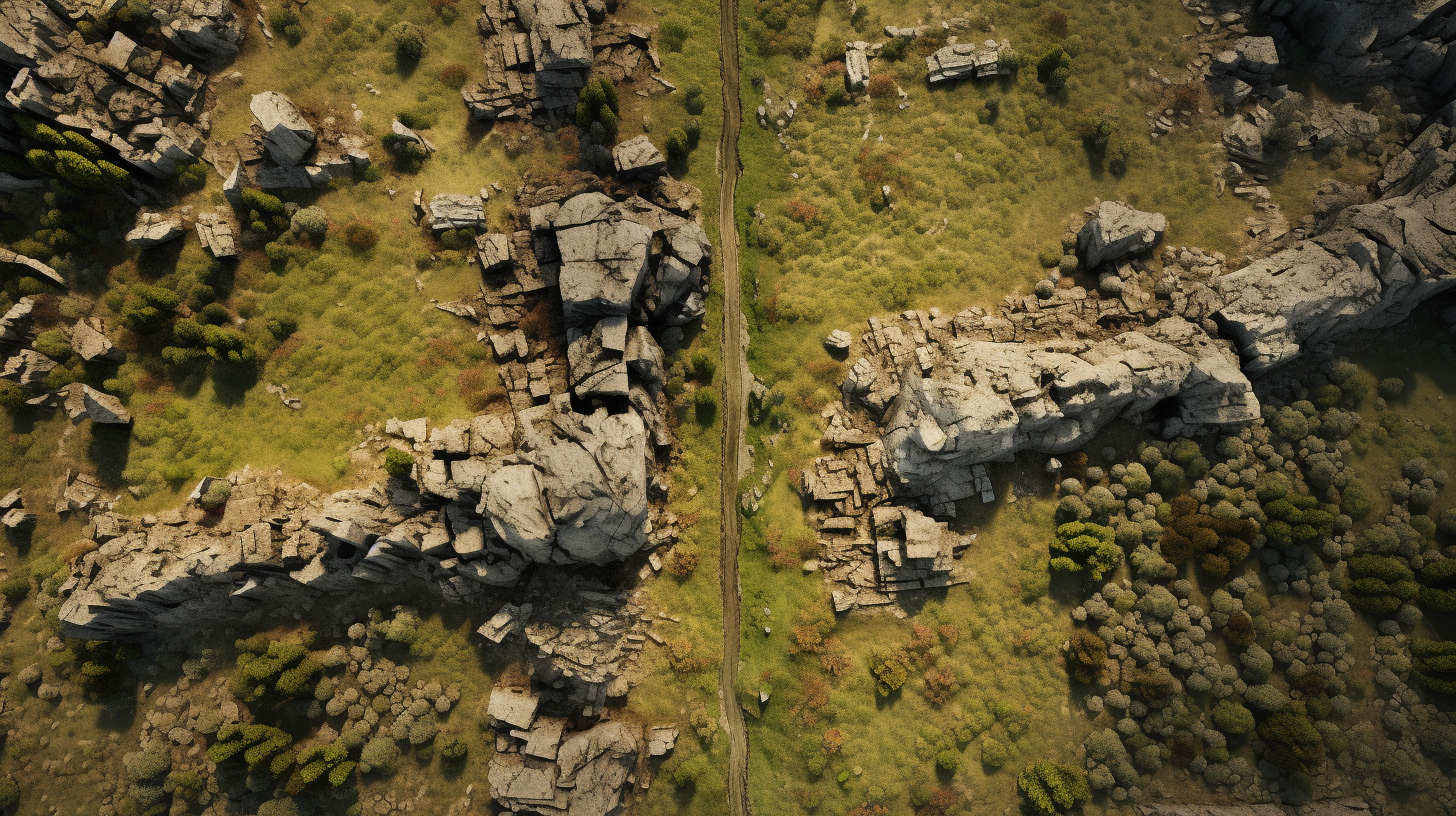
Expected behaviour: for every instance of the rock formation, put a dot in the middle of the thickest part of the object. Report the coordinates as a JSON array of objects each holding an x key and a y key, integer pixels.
[
  {"x": 566, "y": 479},
  {"x": 539, "y": 53},
  {"x": 285, "y": 149},
  {"x": 1371, "y": 265},
  {"x": 1358, "y": 42},
  {"x": 934, "y": 396},
  {"x": 967, "y": 60},
  {"x": 140, "y": 103}
]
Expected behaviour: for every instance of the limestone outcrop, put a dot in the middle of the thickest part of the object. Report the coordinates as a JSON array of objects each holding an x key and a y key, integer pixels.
[
  {"x": 538, "y": 54},
  {"x": 286, "y": 149},
  {"x": 548, "y": 764},
  {"x": 140, "y": 103},
  {"x": 933, "y": 397},
  {"x": 566, "y": 479},
  {"x": 968, "y": 60},
  {"x": 1372, "y": 264}
]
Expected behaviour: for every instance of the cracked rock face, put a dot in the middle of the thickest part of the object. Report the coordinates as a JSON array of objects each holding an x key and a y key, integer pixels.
[
  {"x": 561, "y": 481},
  {"x": 1371, "y": 266},
  {"x": 1353, "y": 42},
  {"x": 985, "y": 401},
  {"x": 141, "y": 103}
]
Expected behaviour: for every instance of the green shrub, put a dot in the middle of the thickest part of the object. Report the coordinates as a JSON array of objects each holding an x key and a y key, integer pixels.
[
  {"x": 53, "y": 344},
  {"x": 1082, "y": 546},
  {"x": 673, "y": 33},
  {"x": 1390, "y": 388},
  {"x": 398, "y": 464},
  {"x": 147, "y": 309},
  {"x": 1233, "y": 719},
  {"x": 9, "y": 792},
  {"x": 890, "y": 668},
  {"x": 705, "y": 405},
  {"x": 1291, "y": 741},
  {"x": 1049, "y": 788},
  {"x": 380, "y": 755},
  {"x": 409, "y": 43},
  {"x": 262, "y": 202},
  {"x": 1380, "y": 584},
  {"x": 994, "y": 753},
  {"x": 598, "y": 105},
  {"x": 1053, "y": 69},
  {"x": 677, "y": 144},
  {"x": 217, "y": 495},
  {"x": 1434, "y": 662},
  {"x": 360, "y": 236}
]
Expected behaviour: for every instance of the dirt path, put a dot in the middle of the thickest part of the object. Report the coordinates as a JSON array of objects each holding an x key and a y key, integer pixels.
[{"x": 734, "y": 373}]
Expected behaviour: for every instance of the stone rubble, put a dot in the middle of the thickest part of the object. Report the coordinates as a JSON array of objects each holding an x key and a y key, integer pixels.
[
  {"x": 143, "y": 104},
  {"x": 538, "y": 54},
  {"x": 284, "y": 149},
  {"x": 456, "y": 211},
  {"x": 568, "y": 478}
]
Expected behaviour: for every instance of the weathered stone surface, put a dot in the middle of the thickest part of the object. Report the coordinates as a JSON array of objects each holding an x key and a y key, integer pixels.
[
  {"x": 638, "y": 158},
  {"x": 838, "y": 340},
  {"x": 1118, "y": 232},
  {"x": 215, "y": 231},
  {"x": 83, "y": 401},
  {"x": 1373, "y": 264},
  {"x": 90, "y": 342},
  {"x": 142, "y": 104},
  {"x": 456, "y": 210},
  {"x": 287, "y": 135},
  {"x": 856, "y": 68},
  {"x": 16, "y": 264},
  {"x": 154, "y": 229},
  {"x": 967, "y": 60}
]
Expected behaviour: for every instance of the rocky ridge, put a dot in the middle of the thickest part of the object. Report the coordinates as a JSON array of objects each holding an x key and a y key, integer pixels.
[
  {"x": 540, "y": 52},
  {"x": 568, "y": 478},
  {"x": 933, "y": 396}
]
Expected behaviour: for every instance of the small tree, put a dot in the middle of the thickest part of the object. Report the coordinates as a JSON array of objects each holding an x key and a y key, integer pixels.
[
  {"x": 677, "y": 145},
  {"x": 409, "y": 43},
  {"x": 1050, "y": 788}
]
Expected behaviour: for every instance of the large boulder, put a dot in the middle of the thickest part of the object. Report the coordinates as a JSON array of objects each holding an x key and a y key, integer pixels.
[
  {"x": 1117, "y": 232},
  {"x": 455, "y": 211},
  {"x": 154, "y": 229},
  {"x": 90, "y": 342},
  {"x": 287, "y": 135},
  {"x": 638, "y": 158},
  {"x": 83, "y": 401}
]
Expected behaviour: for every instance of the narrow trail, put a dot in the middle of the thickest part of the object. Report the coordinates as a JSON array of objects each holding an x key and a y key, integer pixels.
[{"x": 734, "y": 375}]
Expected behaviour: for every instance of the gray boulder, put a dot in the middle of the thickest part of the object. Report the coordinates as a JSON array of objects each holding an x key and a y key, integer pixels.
[
  {"x": 856, "y": 68},
  {"x": 287, "y": 136},
  {"x": 1118, "y": 232},
  {"x": 215, "y": 231},
  {"x": 91, "y": 344},
  {"x": 456, "y": 210},
  {"x": 638, "y": 158},
  {"x": 154, "y": 229},
  {"x": 83, "y": 401}
]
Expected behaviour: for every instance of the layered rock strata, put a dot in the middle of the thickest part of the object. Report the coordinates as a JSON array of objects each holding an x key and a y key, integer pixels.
[
  {"x": 140, "y": 103},
  {"x": 538, "y": 54},
  {"x": 561, "y": 481}
]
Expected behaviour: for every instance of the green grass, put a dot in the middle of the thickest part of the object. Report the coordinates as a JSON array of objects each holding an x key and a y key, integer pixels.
[{"x": 960, "y": 232}]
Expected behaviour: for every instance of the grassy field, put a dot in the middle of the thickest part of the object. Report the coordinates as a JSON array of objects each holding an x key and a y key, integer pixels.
[
  {"x": 979, "y": 202},
  {"x": 369, "y": 345}
]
